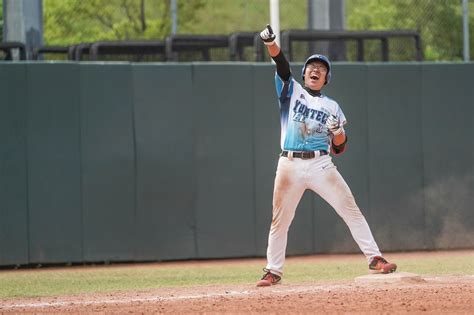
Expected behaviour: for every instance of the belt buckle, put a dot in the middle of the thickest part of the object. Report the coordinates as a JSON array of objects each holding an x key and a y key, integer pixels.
[{"x": 305, "y": 155}]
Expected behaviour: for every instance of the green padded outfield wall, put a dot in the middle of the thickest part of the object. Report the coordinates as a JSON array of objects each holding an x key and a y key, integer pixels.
[
  {"x": 448, "y": 164},
  {"x": 266, "y": 144},
  {"x": 13, "y": 165},
  {"x": 104, "y": 162},
  {"x": 108, "y": 162},
  {"x": 54, "y": 170},
  {"x": 223, "y": 124},
  {"x": 165, "y": 163},
  {"x": 395, "y": 156}
]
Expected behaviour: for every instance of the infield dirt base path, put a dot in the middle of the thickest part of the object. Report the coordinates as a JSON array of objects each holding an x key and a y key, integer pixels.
[{"x": 431, "y": 294}]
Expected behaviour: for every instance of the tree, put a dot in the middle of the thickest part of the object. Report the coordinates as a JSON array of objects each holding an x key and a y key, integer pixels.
[
  {"x": 439, "y": 22},
  {"x": 229, "y": 16},
  {"x": 69, "y": 22}
]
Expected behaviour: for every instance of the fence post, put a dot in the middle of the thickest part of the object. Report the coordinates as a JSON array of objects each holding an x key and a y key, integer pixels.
[
  {"x": 23, "y": 22},
  {"x": 465, "y": 28},
  {"x": 384, "y": 42}
]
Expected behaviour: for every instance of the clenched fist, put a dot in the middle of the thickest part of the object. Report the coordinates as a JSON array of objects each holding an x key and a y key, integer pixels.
[{"x": 333, "y": 125}]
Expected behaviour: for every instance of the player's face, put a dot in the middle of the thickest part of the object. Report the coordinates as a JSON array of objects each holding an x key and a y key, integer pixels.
[{"x": 315, "y": 75}]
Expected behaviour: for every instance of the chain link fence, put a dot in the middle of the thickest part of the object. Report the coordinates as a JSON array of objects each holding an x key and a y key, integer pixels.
[{"x": 439, "y": 22}]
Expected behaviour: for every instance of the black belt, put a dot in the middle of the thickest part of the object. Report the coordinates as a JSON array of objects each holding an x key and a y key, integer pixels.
[{"x": 304, "y": 154}]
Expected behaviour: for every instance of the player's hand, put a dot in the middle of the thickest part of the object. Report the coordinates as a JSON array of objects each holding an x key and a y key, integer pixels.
[
  {"x": 267, "y": 35},
  {"x": 333, "y": 125}
]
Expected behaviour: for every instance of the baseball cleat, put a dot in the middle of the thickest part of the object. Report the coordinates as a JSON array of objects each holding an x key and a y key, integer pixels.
[
  {"x": 268, "y": 279},
  {"x": 381, "y": 265}
]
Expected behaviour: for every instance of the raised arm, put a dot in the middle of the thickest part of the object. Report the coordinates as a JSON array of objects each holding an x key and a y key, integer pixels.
[{"x": 282, "y": 65}]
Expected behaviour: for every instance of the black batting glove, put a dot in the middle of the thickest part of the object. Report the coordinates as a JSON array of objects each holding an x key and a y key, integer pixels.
[{"x": 267, "y": 35}]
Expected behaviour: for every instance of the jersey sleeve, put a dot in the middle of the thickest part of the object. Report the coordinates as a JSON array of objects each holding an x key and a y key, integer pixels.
[
  {"x": 340, "y": 115},
  {"x": 284, "y": 89}
]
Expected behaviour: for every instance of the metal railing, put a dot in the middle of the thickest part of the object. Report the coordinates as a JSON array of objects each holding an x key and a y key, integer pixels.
[
  {"x": 231, "y": 48},
  {"x": 239, "y": 41},
  {"x": 288, "y": 37},
  {"x": 38, "y": 52},
  {"x": 76, "y": 52},
  {"x": 135, "y": 48},
  {"x": 176, "y": 44},
  {"x": 8, "y": 47}
]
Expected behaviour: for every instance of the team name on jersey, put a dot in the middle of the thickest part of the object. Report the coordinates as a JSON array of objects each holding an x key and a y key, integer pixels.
[{"x": 302, "y": 112}]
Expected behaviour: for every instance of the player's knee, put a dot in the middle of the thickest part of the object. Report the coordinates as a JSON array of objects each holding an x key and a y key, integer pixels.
[
  {"x": 280, "y": 220},
  {"x": 350, "y": 212},
  {"x": 351, "y": 205},
  {"x": 354, "y": 213}
]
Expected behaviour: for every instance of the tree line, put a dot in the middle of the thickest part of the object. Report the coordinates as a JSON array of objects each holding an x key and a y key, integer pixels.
[{"x": 68, "y": 22}]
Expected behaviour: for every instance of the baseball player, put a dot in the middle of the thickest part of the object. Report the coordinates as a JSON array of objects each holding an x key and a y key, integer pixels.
[{"x": 312, "y": 128}]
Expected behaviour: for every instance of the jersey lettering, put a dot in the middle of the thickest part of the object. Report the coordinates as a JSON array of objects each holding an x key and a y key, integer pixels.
[
  {"x": 301, "y": 112},
  {"x": 299, "y": 117}
]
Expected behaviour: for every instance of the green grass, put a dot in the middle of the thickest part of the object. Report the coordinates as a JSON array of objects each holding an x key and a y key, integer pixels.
[
  {"x": 75, "y": 280},
  {"x": 446, "y": 265}
]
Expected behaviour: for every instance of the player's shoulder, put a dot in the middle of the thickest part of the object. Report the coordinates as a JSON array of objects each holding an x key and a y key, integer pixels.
[
  {"x": 291, "y": 80},
  {"x": 296, "y": 85},
  {"x": 329, "y": 100}
]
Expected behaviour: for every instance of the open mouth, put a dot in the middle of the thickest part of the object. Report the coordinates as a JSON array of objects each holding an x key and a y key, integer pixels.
[{"x": 314, "y": 77}]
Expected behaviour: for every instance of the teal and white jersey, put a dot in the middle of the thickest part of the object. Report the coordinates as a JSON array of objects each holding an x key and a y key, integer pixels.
[{"x": 303, "y": 117}]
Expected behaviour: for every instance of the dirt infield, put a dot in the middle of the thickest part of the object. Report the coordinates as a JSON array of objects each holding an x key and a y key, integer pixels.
[{"x": 433, "y": 294}]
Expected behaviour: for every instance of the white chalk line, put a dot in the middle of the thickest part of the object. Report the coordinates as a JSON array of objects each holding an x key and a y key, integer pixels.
[
  {"x": 167, "y": 298},
  {"x": 277, "y": 290}
]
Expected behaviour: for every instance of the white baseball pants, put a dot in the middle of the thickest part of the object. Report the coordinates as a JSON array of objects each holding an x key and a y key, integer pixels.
[{"x": 293, "y": 177}]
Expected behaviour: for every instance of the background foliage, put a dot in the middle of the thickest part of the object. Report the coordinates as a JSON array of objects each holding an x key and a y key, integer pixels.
[
  {"x": 439, "y": 21},
  {"x": 69, "y": 22}
]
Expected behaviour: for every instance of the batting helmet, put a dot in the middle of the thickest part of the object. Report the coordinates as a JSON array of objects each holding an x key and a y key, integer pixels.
[{"x": 321, "y": 58}]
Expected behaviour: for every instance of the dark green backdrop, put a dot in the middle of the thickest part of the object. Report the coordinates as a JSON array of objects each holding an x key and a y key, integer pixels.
[{"x": 143, "y": 162}]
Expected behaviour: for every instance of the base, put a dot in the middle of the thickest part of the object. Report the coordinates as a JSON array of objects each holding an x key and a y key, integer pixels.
[{"x": 390, "y": 278}]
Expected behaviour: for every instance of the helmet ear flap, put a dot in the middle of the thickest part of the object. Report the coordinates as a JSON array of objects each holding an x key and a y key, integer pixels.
[{"x": 328, "y": 77}]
